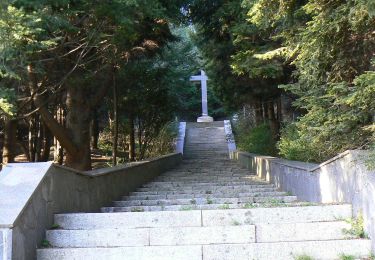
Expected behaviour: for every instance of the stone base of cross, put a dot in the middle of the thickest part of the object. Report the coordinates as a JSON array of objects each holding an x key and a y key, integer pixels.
[{"x": 203, "y": 80}]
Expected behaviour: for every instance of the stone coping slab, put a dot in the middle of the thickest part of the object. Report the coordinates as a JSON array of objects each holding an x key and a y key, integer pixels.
[{"x": 18, "y": 182}]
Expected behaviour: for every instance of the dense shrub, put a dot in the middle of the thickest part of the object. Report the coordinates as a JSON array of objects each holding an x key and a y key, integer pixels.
[
  {"x": 164, "y": 142},
  {"x": 257, "y": 140}
]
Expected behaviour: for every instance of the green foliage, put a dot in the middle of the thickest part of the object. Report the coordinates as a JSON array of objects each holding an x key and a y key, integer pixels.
[
  {"x": 347, "y": 257},
  {"x": 7, "y": 101},
  {"x": 303, "y": 257},
  {"x": 257, "y": 140},
  {"x": 45, "y": 243},
  {"x": 164, "y": 142},
  {"x": 357, "y": 228},
  {"x": 295, "y": 145}
]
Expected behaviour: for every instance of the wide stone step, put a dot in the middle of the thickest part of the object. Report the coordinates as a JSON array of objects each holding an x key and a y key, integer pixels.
[
  {"x": 182, "y": 183},
  {"x": 277, "y": 215},
  {"x": 204, "y": 176},
  {"x": 208, "y": 188},
  {"x": 194, "y": 218},
  {"x": 203, "y": 201},
  {"x": 151, "y": 236},
  {"x": 322, "y": 250},
  {"x": 194, "y": 207},
  {"x": 205, "y": 196},
  {"x": 325, "y": 250},
  {"x": 302, "y": 231},
  {"x": 205, "y": 179},
  {"x": 119, "y": 253},
  {"x": 193, "y": 192},
  {"x": 226, "y": 206},
  {"x": 163, "y": 219},
  {"x": 234, "y": 234}
]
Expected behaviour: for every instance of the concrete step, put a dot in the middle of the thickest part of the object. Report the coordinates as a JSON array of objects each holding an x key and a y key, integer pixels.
[
  {"x": 325, "y": 250},
  {"x": 194, "y": 207},
  {"x": 194, "y": 218},
  {"x": 151, "y": 236},
  {"x": 322, "y": 250},
  {"x": 212, "y": 188},
  {"x": 202, "y": 201},
  {"x": 206, "y": 192},
  {"x": 119, "y": 253},
  {"x": 182, "y": 183},
  {"x": 129, "y": 220},
  {"x": 204, "y": 196},
  {"x": 226, "y": 206},
  {"x": 302, "y": 231},
  {"x": 277, "y": 215}
]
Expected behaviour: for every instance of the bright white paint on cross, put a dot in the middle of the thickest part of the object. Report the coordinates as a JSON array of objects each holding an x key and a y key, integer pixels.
[{"x": 203, "y": 80}]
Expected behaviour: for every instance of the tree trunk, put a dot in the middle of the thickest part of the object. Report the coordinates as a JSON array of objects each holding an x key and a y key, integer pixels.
[
  {"x": 94, "y": 130},
  {"x": 32, "y": 137},
  {"x": 258, "y": 112},
  {"x": 115, "y": 123},
  {"x": 47, "y": 142},
  {"x": 38, "y": 140},
  {"x": 75, "y": 138},
  {"x": 132, "y": 139},
  {"x": 78, "y": 125},
  {"x": 274, "y": 124},
  {"x": 10, "y": 141}
]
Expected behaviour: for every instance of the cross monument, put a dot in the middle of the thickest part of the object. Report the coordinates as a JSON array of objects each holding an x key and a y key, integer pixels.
[{"x": 202, "y": 78}]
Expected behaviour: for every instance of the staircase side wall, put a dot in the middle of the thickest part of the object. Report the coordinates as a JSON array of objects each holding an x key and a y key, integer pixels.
[
  {"x": 343, "y": 179},
  {"x": 63, "y": 190}
]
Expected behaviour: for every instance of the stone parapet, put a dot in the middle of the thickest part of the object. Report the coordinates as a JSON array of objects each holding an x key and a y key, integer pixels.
[{"x": 342, "y": 179}]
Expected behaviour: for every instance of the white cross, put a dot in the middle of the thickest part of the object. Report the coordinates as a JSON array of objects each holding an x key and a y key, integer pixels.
[{"x": 203, "y": 79}]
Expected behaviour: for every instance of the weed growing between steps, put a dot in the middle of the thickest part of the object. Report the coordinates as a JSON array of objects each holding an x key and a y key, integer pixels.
[
  {"x": 277, "y": 205},
  {"x": 55, "y": 226},
  {"x": 186, "y": 208},
  {"x": 347, "y": 257},
  {"x": 236, "y": 223},
  {"x": 137, "y": 210},
  {"x": 357, "y": 229},
  {"x": 224, "y": 206},
  {"x": 46, "y": 244},
  {"x": 303, "y": 257}
]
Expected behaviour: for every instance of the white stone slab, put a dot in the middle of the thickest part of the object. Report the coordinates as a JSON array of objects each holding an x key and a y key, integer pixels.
[
  {"x": 121, "y": 253},
  {"x": 302, "y": 231},
  {"x": 276, "y": 215},
  {"x": 129, "y": 220},
  {"x": 322, "y": 250},
  {"x": 18, "y": 182},
  {"x": 99, "y": 237},
  {"x": 202, "y": 235}
]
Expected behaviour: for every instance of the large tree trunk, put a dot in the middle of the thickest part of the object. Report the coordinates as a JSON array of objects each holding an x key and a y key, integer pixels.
[
  {"x": 115, "y": 122},
  {"x": 47, "y": 142},
  {"x": 94, "y": 130},
  {"x": 132, "y": 139},
  {"x": 10, "y": 141},
  {"x": 78, "y": 125},
  {"x": 274, "y": 124},
  {"x": 258, "y": 112},
  {"x": 32, "y": 138},
  {"x": 75, "y": 137}
]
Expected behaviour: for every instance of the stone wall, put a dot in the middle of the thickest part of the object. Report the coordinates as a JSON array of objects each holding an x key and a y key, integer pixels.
[
  {"x": 60, "y": 189},
  {"x": 343, "y": 179}
]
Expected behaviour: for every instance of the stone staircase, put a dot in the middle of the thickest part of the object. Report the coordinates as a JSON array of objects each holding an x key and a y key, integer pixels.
[{"x": 207, "y": 208}]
